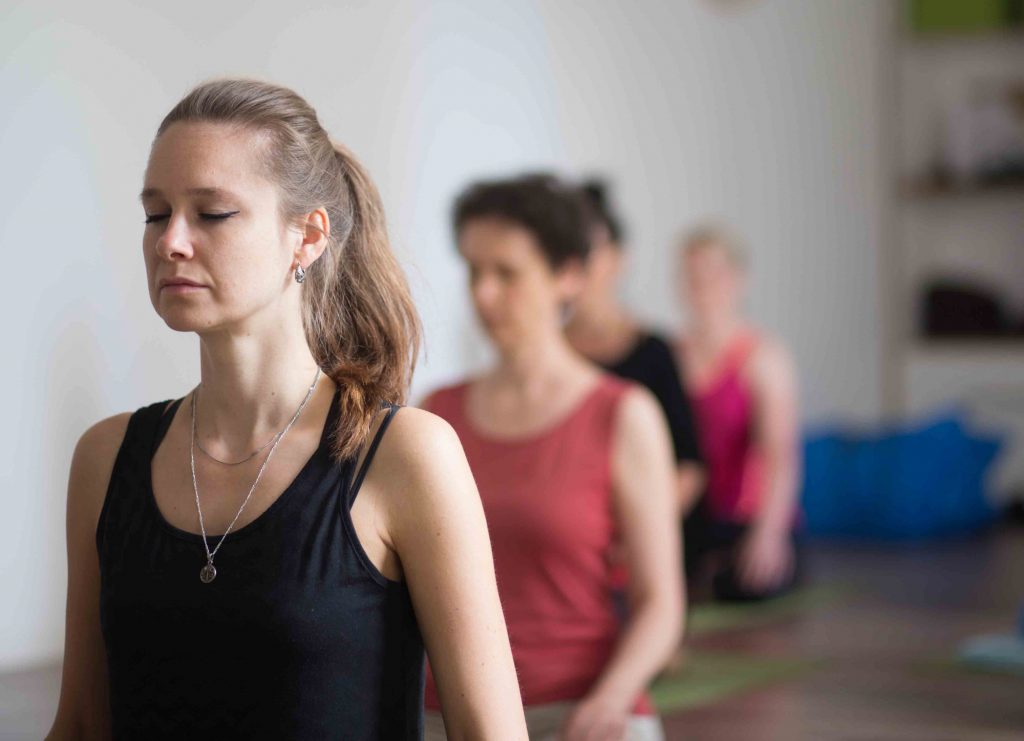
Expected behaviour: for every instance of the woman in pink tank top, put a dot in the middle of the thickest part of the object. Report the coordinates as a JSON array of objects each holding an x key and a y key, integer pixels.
[
  {"x": 743, "y": 390},
  {"x": 568, "y": 460}
]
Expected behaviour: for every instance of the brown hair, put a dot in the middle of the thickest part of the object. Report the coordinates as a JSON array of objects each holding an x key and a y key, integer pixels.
[
  {"x": 554, "y": 212},
  {"x": 358, "y": 315},
  {"x": 602, "y": 211}
]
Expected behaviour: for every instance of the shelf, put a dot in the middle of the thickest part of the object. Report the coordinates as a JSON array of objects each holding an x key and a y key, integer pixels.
[
  {"x": 933, "y": 189},
  {"x": 970, "y": 347},
  {"x": 979, "y": 36}
]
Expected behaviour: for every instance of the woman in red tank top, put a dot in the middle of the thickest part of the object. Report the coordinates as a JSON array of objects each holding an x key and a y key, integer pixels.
[
  {"x": 743, "y": 390},
  {"x": 567, "y": 459}
]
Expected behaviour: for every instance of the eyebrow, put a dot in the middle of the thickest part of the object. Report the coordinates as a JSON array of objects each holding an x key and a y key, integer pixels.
[{"x": 151, "y": 192}]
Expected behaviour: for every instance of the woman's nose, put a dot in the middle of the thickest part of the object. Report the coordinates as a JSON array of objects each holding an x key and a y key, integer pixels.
[
  {"x": 485, "y": 292},
  {"x": 175, "y": 242}
]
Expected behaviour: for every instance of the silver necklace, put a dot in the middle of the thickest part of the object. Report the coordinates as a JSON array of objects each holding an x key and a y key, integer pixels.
[
  {"x": 208, "y": 573},
  {"x": 248, "y": 458}
]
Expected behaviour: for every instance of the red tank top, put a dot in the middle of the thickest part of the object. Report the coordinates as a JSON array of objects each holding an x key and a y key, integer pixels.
[
  {"x": 548, "y": 503},
  {"x": 724, "y": 407}
]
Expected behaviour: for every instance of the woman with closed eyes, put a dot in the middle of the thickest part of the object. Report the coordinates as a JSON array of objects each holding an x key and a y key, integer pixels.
[{"x": 271, "y": 555}]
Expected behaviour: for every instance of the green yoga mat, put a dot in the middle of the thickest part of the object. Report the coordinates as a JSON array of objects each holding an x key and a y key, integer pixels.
[
  {"x": 716, "y": 617},
  {"x": 710, "y": 676}
]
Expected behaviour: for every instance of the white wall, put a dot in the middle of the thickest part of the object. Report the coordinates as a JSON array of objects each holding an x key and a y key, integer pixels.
[{"x": 768, "y": 116}]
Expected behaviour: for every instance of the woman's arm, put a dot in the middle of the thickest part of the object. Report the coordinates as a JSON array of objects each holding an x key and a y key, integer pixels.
[
  {"x": 690, "y": 478},
  {"x": 646, "y": 506},
  {"x": 83, "y": 711},
  {"x": 766, "y": 557},
  {"x": 675, "y": 403},
  {"x": 436, "y": 525}
]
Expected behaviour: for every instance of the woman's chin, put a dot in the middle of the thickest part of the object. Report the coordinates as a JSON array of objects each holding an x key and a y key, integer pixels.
[
  {"x": 181, "y": 326},
  {"x": 704, "y": 313},
  {"x": 185, "y": 321},
  {"x": 506, "y": 343}
]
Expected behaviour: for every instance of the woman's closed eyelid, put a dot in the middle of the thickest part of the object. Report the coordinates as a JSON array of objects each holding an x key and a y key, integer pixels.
[{"x": 207, "y": 215}]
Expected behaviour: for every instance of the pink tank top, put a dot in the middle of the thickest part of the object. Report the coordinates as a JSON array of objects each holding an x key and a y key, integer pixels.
[
  {"x": 724, "y": 408},
  {"x": 548, "y": 503}
]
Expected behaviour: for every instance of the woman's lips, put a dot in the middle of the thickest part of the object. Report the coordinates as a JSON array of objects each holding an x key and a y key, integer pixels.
[{"x": 181, "y": 288}]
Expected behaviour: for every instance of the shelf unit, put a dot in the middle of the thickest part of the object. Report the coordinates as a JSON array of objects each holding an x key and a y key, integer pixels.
[{"x": 936, "y": 228}]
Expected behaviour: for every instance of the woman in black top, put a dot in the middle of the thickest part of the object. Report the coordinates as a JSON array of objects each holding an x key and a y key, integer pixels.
[
  {"x": 603, "y": 330},
  {"x": 237, "y": 568}
]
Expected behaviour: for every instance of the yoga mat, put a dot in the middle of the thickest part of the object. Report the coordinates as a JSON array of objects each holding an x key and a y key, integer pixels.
[
  {"x": 997, "y": 653},
  {"x": 708, "y": 677},
  {"x": 716, "y": 617},
  {"x": 955, "y": 663}
]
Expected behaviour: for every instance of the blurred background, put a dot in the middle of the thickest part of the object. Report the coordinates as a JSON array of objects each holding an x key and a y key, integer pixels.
[{"x": 871, "y": 153}]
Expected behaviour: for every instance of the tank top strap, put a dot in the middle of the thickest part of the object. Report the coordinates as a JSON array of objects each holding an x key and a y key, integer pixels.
[
  {"x": 146, "y": 427},
  {"x": 357, "y": 480},
  {"x": 609, "y": 392},
  {"x": 130, "y": 470},
  {"x": 613, "y": 391},
  {"x": 739, "y": 352},
  {"x": 729, "y": 362},
  {"x": 597, "y": 415},
  {"x": 162, "y": 422}
]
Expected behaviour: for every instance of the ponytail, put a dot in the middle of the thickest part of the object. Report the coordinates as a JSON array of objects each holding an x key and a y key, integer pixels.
[{"x": 360, "y": 321}]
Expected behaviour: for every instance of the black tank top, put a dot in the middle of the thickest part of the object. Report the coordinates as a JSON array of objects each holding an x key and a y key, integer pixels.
[{"x": 298, "y": 637}]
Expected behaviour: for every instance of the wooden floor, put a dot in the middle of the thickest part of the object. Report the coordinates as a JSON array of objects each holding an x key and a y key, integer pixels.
[{"x": 883, "y": 649}]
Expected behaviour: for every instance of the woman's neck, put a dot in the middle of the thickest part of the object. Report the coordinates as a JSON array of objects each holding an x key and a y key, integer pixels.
[
  {"x": 537, "y": 365},
  {"x": 252, "y": 383},
  {"x": 603, "y": 332},
  {"x": 715, "y": 332}
]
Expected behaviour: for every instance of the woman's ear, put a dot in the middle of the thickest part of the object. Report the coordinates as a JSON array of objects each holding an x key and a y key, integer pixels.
[
  {"x": 316, "y": 230},
  {"x": 618, "y": 260},
  {"x": 570, "y": 279},
  {"x": 605, "y": 261}
]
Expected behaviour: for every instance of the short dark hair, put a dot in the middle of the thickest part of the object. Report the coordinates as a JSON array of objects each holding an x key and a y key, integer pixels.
[
  {"x": 596, "y": 192},
  {"x": 554, "y": 212}
]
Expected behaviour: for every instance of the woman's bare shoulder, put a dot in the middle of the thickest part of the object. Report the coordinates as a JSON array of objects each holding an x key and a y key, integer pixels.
[
  {"x": 105, "y": 431},
  {"x": 420, "y": 465},
  {"x": 771, "y": 360},
  {"x": 102, "y": 440},
  {"x": 419, "y": 442},
  {"x": 99, "y": 444},
  {"x": 92, "y": 465},
  {"x": 639, "y": 419}
]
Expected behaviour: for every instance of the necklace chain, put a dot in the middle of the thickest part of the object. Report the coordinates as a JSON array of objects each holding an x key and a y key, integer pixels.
[
  {"x": 248, "y": 458},
  {"x": 208, "y": 572}
]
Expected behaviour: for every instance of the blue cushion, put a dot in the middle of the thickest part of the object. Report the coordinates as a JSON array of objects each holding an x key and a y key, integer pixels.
[{"x": 920, "y": 480}]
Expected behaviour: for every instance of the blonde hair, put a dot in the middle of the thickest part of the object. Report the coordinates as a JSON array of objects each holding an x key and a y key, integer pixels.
[
  {"x": 357, "y": 312},
  {"x": 716, "y": 235}
]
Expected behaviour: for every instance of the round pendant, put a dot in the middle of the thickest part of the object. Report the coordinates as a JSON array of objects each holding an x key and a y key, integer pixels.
[{"x": 208, "y": 573}]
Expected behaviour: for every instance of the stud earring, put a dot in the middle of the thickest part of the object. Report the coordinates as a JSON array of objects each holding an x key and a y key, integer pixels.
[{"x": 300, "y": 274}]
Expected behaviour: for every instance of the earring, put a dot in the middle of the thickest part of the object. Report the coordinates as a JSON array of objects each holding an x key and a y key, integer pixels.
[{"x": 300, "y": 274}]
